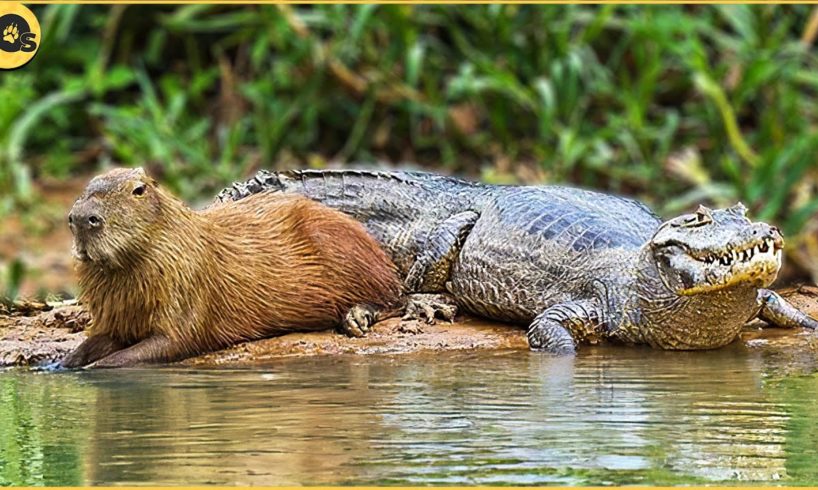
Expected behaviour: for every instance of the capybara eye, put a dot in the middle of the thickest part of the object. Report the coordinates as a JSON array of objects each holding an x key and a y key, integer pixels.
[{"x": 139, "y": 190}]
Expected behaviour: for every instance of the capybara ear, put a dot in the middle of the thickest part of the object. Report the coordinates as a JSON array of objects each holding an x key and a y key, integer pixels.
[{"x": 140, "y": 173}]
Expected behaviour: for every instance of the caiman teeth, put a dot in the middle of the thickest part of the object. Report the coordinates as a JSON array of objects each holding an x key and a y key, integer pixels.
[{"x": 766, "y": 246}]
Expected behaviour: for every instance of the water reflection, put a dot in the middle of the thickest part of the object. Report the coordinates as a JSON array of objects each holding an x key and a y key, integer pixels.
[{"x": 609, "y": 416}]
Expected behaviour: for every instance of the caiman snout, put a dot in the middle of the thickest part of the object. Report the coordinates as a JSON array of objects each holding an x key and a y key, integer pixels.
[
  {"x": 765, "y": 232},
  {"x": 778, "y": 238}
]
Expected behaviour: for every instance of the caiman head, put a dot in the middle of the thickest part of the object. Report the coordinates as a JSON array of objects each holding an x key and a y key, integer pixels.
[{"x": 712, "y": 250}]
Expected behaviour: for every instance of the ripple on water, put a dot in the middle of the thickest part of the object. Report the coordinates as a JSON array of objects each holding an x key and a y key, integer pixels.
[{"x": 607, "y": 416}]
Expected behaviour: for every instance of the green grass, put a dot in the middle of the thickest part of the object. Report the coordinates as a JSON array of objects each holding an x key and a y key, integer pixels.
[{"x": 675, "y": 104}]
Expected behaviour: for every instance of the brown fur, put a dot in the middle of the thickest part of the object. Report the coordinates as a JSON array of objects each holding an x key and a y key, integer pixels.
[{"x": 263, "y": 266}]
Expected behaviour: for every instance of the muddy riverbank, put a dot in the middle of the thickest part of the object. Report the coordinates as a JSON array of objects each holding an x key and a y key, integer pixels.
[{"x": 30, "y": 336}]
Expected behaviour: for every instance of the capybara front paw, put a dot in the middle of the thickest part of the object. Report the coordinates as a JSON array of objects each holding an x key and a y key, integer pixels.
[
  {"x": 358, "y": 321},
  {"x": 70, "y": 362}
]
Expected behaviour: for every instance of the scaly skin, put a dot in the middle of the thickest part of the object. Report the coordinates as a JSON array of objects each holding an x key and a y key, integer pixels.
[{"x": 575, "y": 266}]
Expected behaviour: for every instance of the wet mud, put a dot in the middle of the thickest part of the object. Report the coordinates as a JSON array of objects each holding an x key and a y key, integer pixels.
[{"x": 35, "y": 334}]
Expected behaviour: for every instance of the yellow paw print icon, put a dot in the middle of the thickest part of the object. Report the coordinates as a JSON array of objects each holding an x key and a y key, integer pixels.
[{"x": 11, "y": 33}]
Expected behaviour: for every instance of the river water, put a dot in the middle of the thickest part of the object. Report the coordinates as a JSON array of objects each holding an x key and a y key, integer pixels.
[{"x": 611, "y": 415}]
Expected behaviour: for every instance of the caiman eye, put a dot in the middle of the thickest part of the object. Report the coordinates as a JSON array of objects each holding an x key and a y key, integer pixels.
[
  {"x": 691, "y": 221},
  {"x": 695, "y": 221},
  {"x": 139, "y": 190},
  {"x": 701, "y": 217}
]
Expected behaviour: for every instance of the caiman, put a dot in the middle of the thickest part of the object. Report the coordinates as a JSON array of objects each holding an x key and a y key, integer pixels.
[{"x": 573, "y": 265}]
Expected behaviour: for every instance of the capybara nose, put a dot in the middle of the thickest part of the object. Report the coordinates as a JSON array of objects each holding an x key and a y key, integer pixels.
[{"x": 89, "y": 221}]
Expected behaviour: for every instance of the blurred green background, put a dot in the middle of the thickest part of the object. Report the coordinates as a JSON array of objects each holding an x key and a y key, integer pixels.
[{"x": 674, "y": 104}]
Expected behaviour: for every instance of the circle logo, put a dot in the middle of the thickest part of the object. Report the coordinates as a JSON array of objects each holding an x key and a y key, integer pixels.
[{"x": 19, "y": 35}]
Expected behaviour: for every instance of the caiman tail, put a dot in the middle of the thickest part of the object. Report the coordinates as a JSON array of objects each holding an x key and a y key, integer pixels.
[
  {"x": 358, "y": 192},
  {"x": 400, "y": 209}
]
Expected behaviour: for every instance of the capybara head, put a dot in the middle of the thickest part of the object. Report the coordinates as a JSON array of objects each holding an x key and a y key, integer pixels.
[{"x": 113, "y": 218}]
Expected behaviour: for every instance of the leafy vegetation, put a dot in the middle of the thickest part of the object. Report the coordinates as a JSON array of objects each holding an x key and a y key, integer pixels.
[{"x": 701, "y": 103}]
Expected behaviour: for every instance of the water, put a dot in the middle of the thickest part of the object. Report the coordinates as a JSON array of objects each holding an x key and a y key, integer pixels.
[{"x": 612, "y": 415}]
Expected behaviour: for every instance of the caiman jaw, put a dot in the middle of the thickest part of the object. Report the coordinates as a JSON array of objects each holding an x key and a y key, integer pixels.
[
  {"x": 756, "y": 262},
  {"x": 743, "y": 254}
]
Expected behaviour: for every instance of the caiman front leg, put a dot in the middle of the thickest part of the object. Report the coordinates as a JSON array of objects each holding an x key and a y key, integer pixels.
[
  {"x": 560, "y": 328},
  {"x": 92, "y": 349},
  {"x": 430, "y": 306},
  {"x": 776, "y": 311},
  {"x": 432, "y": 266},
  {"x": 428, "y": 275},
  {"x": 153, "y": 350}
]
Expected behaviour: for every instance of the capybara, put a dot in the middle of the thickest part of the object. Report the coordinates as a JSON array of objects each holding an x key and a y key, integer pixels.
[{"x": 164, "y": 282}]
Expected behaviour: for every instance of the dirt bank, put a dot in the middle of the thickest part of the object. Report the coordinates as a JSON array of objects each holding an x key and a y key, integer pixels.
[
  {"x": 40, "y": 337},
  {"x": 31, "y": 337}
]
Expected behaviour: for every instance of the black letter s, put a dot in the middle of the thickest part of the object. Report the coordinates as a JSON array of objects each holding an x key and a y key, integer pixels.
[{"x": 27, "y": 43}]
